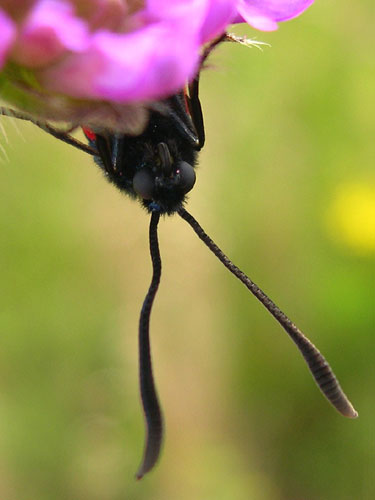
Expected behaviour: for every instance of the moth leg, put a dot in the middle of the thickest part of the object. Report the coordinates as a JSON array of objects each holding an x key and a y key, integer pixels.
[
  {"x": 182, "y": 120},
  {"x": 106, "y": 153},
  {"x": 195, "y": 110},
  {"x": 62, "y": 135},
  {"x": 193, "y": 101}
]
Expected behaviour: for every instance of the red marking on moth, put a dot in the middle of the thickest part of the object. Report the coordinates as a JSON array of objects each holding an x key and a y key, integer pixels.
[{"x": 91, "y": 136}]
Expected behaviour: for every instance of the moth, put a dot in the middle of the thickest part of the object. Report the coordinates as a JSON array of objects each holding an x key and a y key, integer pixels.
[{"x": 157, "y": 168}]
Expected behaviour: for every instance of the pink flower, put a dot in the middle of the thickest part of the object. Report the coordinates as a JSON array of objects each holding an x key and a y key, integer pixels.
[
  {"x": 264, "y": 15},
  {"x": 7, "y": 36},
  {"x": 74, "y": 59}
]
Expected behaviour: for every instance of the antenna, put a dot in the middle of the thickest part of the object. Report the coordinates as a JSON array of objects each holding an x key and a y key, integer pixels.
[
  {"x": 150, "y": 402},
  {"x": 319, "y": 367}
]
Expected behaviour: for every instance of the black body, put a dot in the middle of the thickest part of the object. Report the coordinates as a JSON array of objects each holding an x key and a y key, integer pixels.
[{"x": 158, "y": 165}]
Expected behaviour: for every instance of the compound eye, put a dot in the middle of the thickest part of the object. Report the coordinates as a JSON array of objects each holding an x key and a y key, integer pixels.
[
  {"x": 187, "y": 176},
  {"x": 144, "y": 183}
]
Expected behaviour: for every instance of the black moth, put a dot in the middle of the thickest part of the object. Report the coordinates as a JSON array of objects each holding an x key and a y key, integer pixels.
[{"x": 157, "y": 167}]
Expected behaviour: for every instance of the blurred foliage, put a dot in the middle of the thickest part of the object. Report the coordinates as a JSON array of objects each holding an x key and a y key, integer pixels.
[{"x": 286, "y": 186}]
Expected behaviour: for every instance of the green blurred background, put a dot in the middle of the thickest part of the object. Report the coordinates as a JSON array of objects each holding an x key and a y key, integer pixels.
[{"x": 286, "y": 186}]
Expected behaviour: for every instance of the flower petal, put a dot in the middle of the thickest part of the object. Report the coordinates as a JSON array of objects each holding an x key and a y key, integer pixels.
[
  {"x": 219, "y": 15},
  {"x": 47, "y": 32},
  {"x": 7, "y": 35},
  {"x": 264, "y": 14},
  {"x": 211, "y": 16},
  {"x": 151, "y": 63},
  {"x": 103, "y": 14}
]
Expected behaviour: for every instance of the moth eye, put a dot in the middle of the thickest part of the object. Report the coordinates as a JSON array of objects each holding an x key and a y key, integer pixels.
[
  {"x": 144, "y": 183},
  {"x": 187, "y": 176}
]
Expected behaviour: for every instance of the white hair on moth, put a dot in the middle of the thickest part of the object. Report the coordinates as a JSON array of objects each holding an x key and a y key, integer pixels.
[
  {"x": 4, "y": 134},
  {"x": 15, "y": 124},
  {"x": 13, "y": 121},
  {"x": 4, "y": 155}
]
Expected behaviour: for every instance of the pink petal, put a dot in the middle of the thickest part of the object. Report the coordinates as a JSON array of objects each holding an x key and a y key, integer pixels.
[
  {"x": 219, "y": 15},
  {"x": 50, "y": 30},
  {"x": 7, "y": 35},
  {"x": 264, "y": 14},
  {"x": 150, "y": 63}
]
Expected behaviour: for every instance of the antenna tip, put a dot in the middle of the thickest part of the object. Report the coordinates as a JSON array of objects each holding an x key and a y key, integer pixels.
[
  {"x": 349, "y": 411},
  {"x": 354, "y": 414}
]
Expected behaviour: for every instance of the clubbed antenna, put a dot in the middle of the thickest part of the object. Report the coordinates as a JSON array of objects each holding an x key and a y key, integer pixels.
[
  {"x": 319, "y": 367},
  {"x": 151, "y": 407}
]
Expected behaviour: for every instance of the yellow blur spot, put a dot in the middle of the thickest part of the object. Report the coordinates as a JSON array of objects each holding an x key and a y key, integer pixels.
[{"x": 351, "y": 216}]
